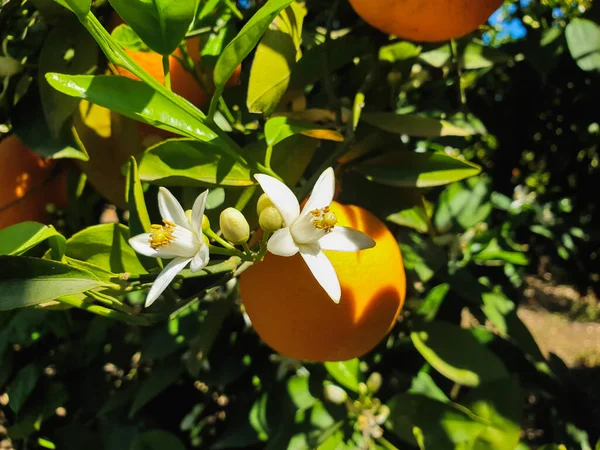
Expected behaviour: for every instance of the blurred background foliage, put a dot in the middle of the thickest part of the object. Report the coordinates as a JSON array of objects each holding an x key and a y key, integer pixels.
[{"x": 460, "y": 369}]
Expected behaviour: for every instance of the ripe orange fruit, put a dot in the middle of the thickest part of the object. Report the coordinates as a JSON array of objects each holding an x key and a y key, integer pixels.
[
  {"x": 426, "y": 20},
  {"x": 28, "y": 184},
  {"x": 292, "y": 313}
]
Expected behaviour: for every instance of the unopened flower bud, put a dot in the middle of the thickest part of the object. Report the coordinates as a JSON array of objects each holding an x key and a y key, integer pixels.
[
  {"x": 270, "y": 219},
  {"x": 362, "y": 389},
  {"x": 205, "y": 224},
  {"x": 9, "y": 66},
  {"x": 382, "y": 414},
  {"x": 374, "y": 382},
  {"x": 234, "y": 225},
  {"x": 263, "y": 202},
  {"x": 334, "y": 394}
]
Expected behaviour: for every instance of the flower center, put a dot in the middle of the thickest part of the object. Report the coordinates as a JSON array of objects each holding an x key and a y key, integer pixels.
[
  {"x": 323, "y": 219},
  {"x": 162, "y": 234}
]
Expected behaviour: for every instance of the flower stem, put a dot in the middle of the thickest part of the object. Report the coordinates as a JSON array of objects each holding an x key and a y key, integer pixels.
[
  {"x": 138, "y": 319},
  {"x": 268, "y": 156},
  {"x": 212, "y": 235}
]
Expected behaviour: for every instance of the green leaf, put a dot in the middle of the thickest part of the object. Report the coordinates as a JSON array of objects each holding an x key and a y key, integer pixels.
[
  {"x": 473, "y": 56},
  {"x": 456, "y": 354},
  {"x": 158, "y": 380},
  {"x": 161, "y": 24},
  {"x": 432, "y": 301},
  {"x": 274, "y": 59},
  {"x": 128, "y": 39},
  {"x": 139, "y": 220},
  {"x": 19, "y": 238},
  {"x": 347, "y": 373},
  {"x": 399, "y": 51},
  {"x": 279, "y": 128},
  {"x": 258, "y": 417},
  {"x": 583, "y": 40},
  {"x": 444, "y": 426},
  {"x": 423, "y": 384},
  {"x": 187, "y": 162},
  {"x": 499, "y": 404},
  {"x": 156, "y": 439},
  {"x": 22, "y": 386},
  {"x": 68, "y": 49},
  {"x": 270, "y": 72},
  {"x": 243, "y": 43},
  {"x": 417, "y": 217},
  {"x": 134, "y": 99},
  {"x": 80, "y": 7},
  {"x": 493, "y": 252},
  {"x": 413, "y": 125},
  {"x": 409, "y": 169},
  {"x": 105, "y": 246},
  {"x": 28, "y": 281}
]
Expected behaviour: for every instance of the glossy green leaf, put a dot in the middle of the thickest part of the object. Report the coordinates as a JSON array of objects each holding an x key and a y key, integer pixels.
[
  {"x": 409, "y": 169},
  {"x": 432, "y": 301},
  {"x": 156, "y": 440},
  {"x": 413, "y": 125},
  {"x": 161, "y": 24},
  {"x": 128, "y": 39},
  {"x": 473, "y": 56},
  {"x": 279, "y": 128},
  {"x": 28, "y": 281},
  {"x": 17, "y": 239},
  {"x": 243, "y": 43},
  {"x": 68, "y": 49},
  {"x": 22, "y": 386},
  {"x": 423, "y": 384},
  {"x": 105, "y": 246},
  {"x": 347, "y": 373},
  {"x": 583, "y": 40},
  {"x": 499, "y": 404},
  {"x": 443, "y": 426},
  {"x": 158, "y": 380},
  {"x": 493, "y": 252},
  {"x": 270, "y": 72},
  {"x": 80, "y": 7},
  {"x": 399, "y": 51},
  {"x": 139, "y": 220},
  {"x": 456, "y": 354},
  {"x": 273, "y": 61},
  {"x": 186, "y": 162},
  {"x": 134, "y": 99},
  {"x": 417, "y": 217}
]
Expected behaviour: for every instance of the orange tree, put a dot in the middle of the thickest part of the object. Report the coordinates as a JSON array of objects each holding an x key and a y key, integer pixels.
[{"x": 327, "y": 254}]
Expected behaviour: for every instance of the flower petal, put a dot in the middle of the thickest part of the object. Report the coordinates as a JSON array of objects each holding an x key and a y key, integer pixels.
[
  {"x": 198, "y": 211},
  {"x": 185, "y": 243},
  {"x": 141, "y": 244},
  {"x": 170, "y": 208},
  {"x": 282, "y": 197},
  {"x": 344, "y": 239},
  {"x": 282, "y": 244},
  {"x": 165, "y": 278},
  {"x": 304, "y": 230},
  {"x": 322, "y": 270},
  {"x": 322, "y": 193},
  {"x": 200, "y": 261}
]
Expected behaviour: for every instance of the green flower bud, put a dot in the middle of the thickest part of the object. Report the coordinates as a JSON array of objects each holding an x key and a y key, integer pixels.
[
  {"x": 334, "y": 394},
  {"x": 374, "y": 382},
  {"x": 188, "y": 214},
  {"x": 362, "y": 389},
  {"x": 234, "y": 225},
  {"x": 270, "y": 219},
  {"x": 205, "y": 224},
  {"x": 263, "y": 202}
]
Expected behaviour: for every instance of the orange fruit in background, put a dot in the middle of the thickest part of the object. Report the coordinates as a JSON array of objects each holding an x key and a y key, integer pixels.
[
  {"x": 28, "y": 184},
  {"x": 292, "y": 313},
  {"x": 426, "y": 20}
]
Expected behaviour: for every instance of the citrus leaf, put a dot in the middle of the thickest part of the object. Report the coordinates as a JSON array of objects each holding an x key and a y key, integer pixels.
[
  {"x": 128, "y": 39},
  {"x": 134, "y": 99},
  {"x": 456, "y": 354},
  {"x": 105, "y": 246},
  {"x": 139, "y": 220},
  {"x": 473, "y": 56},
  {"x": 347, "y": 373},
  {"x": 17, "y": 239},
  {"x": 186, "y": 162},
  {"x": 158, "y": 381},
  {"x": 28, "y": 281},
  {"x": 399, "y": 51},
  {"x": 80, "y": 7},
  {"x": 279, "y": 128},
  {"x": 412, "y": 125},
  {"x": 22, "y": 386},
  {"x": 67, "y": 49},
  {"x": 161, "y": 24},
  {"x": 243, "y": 43},
  {"x": 583, "y": 40},
  {"x": 409, "y": 169}
]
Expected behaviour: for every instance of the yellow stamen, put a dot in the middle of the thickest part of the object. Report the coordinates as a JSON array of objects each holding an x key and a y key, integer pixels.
[
  {"x": 324, "y": 219},
  {"x": 161, "y": 234}
]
